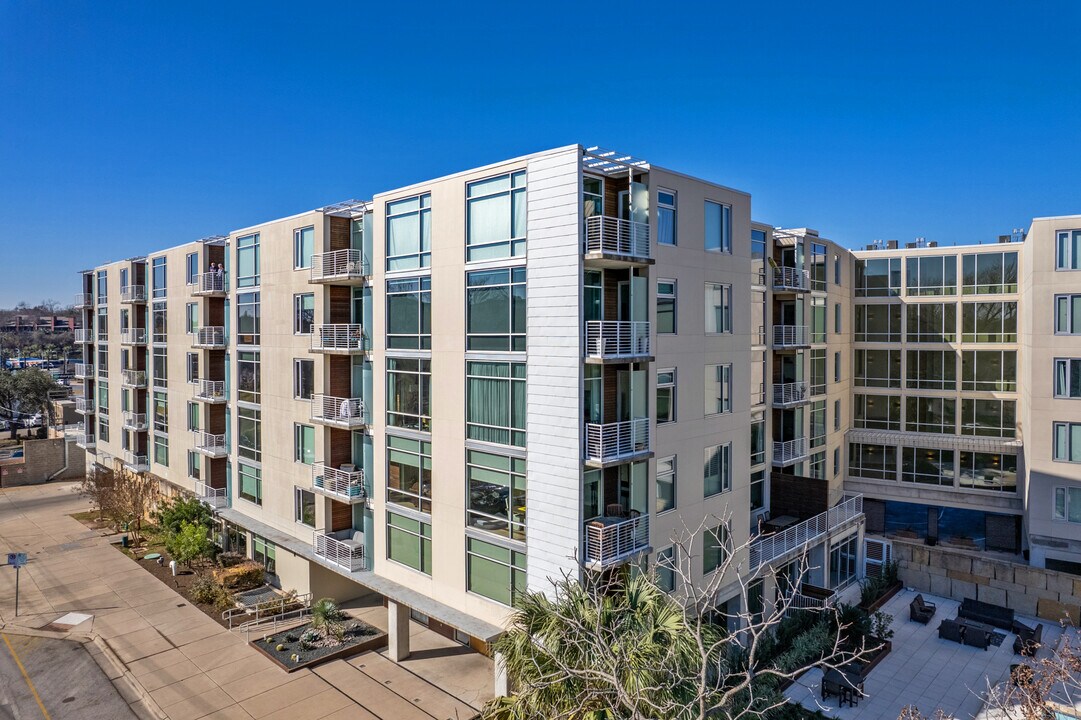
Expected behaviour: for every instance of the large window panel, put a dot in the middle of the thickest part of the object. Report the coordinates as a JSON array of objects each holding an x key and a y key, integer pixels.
[
  {"x": 989, "y": 322},
  {"x": 989, "y": 273},
  {"x": 247, "y": 261},
  {"x": 932, "y": 322},
  {"x": 494, "y": 571},
  {"x": 872, "y": 462},
  {"x": 248, "y": 377},
  {"x": 409, "y": 313},
  {"x": 878, "y": 277},
  {"x": 1068, "y": 377},
  {"x": 409, "y": 473},
  {"x": 989, "y": 370},
  {"x": 717, "y": 469},
  {"x": 496, "y": 302},
  {"x": 409, "y": 382},
  {"x": 409, "y": 233},
  {"x": 927, "y": 466},
  {"x": 1068, "y": 252},
  {"x": 496, "y": 402},
  {"x": 497, "y": 493},
  {"x": 988, "y": 471},
  {"x": 1068, "y": 314},
  {"x": 248, "y": 318},
  {"x": 249, "y": 427},
  {"x": 409, "y": 542},
  {"x": 932, "y": 275},
  {"x": 878, "y": 368},
  {"x": 496, "y": 217},
  {"x": 931, "y": 370},
  {"x": 930, "y": 415},
  {"x": 988, "y": 418},
  {"x": 877, "y": 412}
]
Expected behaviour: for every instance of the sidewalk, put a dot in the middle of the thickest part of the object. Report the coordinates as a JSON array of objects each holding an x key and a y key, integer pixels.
[{"x": 189, "y": 666}]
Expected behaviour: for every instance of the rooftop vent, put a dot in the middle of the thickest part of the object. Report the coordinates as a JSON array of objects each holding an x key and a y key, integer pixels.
[{"x": 891, "y": 245}]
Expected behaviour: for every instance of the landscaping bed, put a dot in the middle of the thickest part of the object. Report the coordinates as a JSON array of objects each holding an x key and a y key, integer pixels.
[{"x": 289, "y": 652}]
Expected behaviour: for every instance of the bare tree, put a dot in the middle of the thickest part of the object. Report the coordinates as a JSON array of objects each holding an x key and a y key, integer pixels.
[
  {"x": 123, "y": 496},
  {"x": 97, "y": 487}
]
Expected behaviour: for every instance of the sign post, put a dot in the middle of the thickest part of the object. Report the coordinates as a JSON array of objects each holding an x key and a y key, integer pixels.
[{"x": 17, "y": 560}]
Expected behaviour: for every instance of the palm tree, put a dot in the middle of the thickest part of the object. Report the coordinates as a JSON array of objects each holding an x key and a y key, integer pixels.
[{"x": 326, "y": 618}]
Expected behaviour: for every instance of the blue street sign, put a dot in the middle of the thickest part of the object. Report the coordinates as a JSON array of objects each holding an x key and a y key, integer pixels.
[{"x": 17, "y": 560}]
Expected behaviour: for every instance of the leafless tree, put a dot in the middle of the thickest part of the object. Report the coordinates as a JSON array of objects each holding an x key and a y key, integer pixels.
[{"x": 123, "y": 496}]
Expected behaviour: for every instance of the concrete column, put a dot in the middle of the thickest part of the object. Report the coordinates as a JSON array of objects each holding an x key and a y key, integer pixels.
[
  {"x": 397, "y": 631},
  {"x": 502, "y": 684}
]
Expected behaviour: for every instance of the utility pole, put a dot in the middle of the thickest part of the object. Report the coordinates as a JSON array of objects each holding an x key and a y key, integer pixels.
[{"x": 17, "y": 560}]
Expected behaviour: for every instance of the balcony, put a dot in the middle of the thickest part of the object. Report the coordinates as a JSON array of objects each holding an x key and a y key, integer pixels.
[
  {"x": 136, "y": 463},
  {"x": 798, "y": 537},
  {"x": 83, "y": 301},
  {"x": 343, "y": 549},
  {"x": 617, "y": 442},
  {"x": 86, "y": 441},
  {"x": 211, "y": 391},
  {"x": 344, "y": 485},
  {"x": 790, "y": 336},
  {"x": 339, "y": 339},
  {"x": 133, "y": 336},
  {"x": 209, "y": 444},
  {"x": 790, "y": 394},
  {"x": 135, "y": 421},
  {"x": 131, "y": 294},
  {"x": 611, "y": 541},
  {"x": 209, "y": 284},
  {"x": 345, "y": 267},
  {"x": 209, "y": 338},
  {"x": 338, "y": 412},
  {"x": 790, "y": 279},
  {"x": 617, "y": 340},
  {"x": 789, "y": 452},
  {"x": 614, "y": 242},
  {"x": 84, "y": 405},
  {"x": 214, "y": 497},
  {"x": 133, "y": 378},
  {"x": 84, "y": 335},
  {"x": 83, "y": 370}
]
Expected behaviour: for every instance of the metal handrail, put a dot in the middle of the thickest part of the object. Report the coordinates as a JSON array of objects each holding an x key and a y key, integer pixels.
[
  {"x": 212, "y": 496},
  {"x": 84, "y": 335},
  {"x": 345, "y": 411},
  {"x": 617, "y": 236},
  {"x": 607, "y": 544},
  {"x": 789, "y": 450},
  {"x": 339, "y": 336},
  {"x": 84, "y": 300},
  {"x": 136, "y": 462},
  {"x": 790, "y": 278},
  {"x": 85, "y": 440},
  {"x": 210, "y": 389},
  {"x": 788, "y": 335},
  {"x": 208, "y": 442},
  {"x": 611, "y": 441},
  {"x": 133, "y": 377},
  {"x": 333, "y": 550},
  {"x": 134, "y": 420},
  {"x": 345, "y": 484},
  {"x": 339, "y": 264},
  {"x": 133, "y": 293},
  {"x": 617, "y": 338},
  {"x": 790, "y": 392},
  {"x": 211, "y": 336},
  {"x": 133, "y": 336},
  {"x": 209, "y": 283},
  {"x": 799, "y": 536},
  {"x": 259, "y": 610},
  {"x": 83, "y": 370},
  {"x": 84, "y": 405}
]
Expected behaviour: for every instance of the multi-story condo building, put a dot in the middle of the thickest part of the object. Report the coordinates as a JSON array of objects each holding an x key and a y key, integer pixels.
[{"x": 552, "y": 366}]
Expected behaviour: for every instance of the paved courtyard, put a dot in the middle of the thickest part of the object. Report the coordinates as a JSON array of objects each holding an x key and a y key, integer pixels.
[
  {"x": 185, "y": 665},
  {"x": 923, "y": 670}
]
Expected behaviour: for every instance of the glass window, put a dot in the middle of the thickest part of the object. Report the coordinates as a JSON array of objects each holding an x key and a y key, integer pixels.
[
  {"x": 103, "y": 287},
  {"x": 247, "y": 261},
  {"x": 191, "y": 267},
  {"x": 837, "y": 269},
  {"x": 935, "y": 275},
  {"x": 666, "y": 395},
  {"x": 843, "y": 556},
  {"x": 927, "y": 466},
  {"x": 303, "y": 444},
  {"x": 718, "y": 227},
  {"x": 494, "y": 571},
  {"x": 592, "y": 196},
  {"x": 1068, "y": 250},
  {"x": 160, "y": 367},
  {"x": 758, "y": 490},
  {"x": 158, "y": 277},
  {"x": 818, "y": 267},
  {"x": 161, "y": 450},
  {"x": 193, "y": 416},
  {"x": 837, "y": 318},
  {"x": 988, "y": 418},
  {"x": 496, "y": 312},
  {"x": 409, "y": 542},
  {"x": 758, "y": 257},
  {"x": 837, "y": 367},
  {"x": 718, "y": 308},
  {"x": 818, "y": 372},
  {"x": 409, "y": 313},
  {"x": 818, "y": 320},
  {"x": 496, "y": 402},
  {"x": 303, "y": 314},
  {"x": 303, "y": 247},
  {"x": 1068, "y": 377},
  {"x": 194, "y": 464},
  {"x": 666, "y": 484},
  {"x": 932, "y": 322},
  {"x": 666, "y": 306},
  {"x": 989, "y": 322},
  {"x": 714, "y": 548},
  {"x": 159, "y": 323},
  {"x": 666, "y": 217},
  {"x": 988, "y": 471},
  {"x": 872, "y": 462},
  {"x": 989, "y": 273},
  {"x": 248, "y": 318},
  {"x": 836, "y": 415},
  {"x": 878, "y": 277},
  {"x": 930, "y": 415},
  {"x": 717, "y": 469},
  {"x": 993, "y": 370},
  {"x": 836, "y": 461},
  {"x": 191, "y": 323},
  {"x": 1068, "y": 314},
  {"x": 497, "y": 493},
  {"x": 877, "y": 412},
  {"x": 249, "y": 427},
  {"x": 304, "y": 506},
  {"x": 817, "y": 466},
  {"x": 758, "y": 439},
  {"x": 409, "y": 233},
  {"x": 718, "y": 389},
  {"x": 303, "y": 378},
  {"x": 248, "y": 372},
  {"x": 818, "y": 423},
  {"x": 496, "y": 217},
  {"x": 931, "y": 370},
  {"x": 103, "y": 428},
  {"x": 251, "y": 483},
  {"x": 878, "y": 368},
  {"x": 409, "y": 473},
  {"x": 666, "y": 569},
  {"x": 878, "y": 323},
  {"x": 1067, "y": 504},
  {"x": 263, "y": 552},
  {"x": 409, "y": 383},
  {"x": 160, "y": 408}
]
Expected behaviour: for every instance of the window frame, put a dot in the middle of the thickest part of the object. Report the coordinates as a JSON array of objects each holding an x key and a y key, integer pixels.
[
  {"x": 513, "y": 337},
  {"x": 300, "y": 260},
  {"x": 300, "y": 496},
  {"x": 722, "y": 380},
  {"x": 722, "y": 313},
  {"x": 423, "y": 211},
  {"x": 670, "y": 207},
  {"x": 1072, "y": 250},
  {"x": 298, "y": 393},
  {"x": 515, "y": 243},
  {"x": 299, "y": 314},
  {"x": 724, "y": 227},
  {"x": 1069, "y": 394},
  {"x": 668, "y": 385},
  {"x": 672, "y": 298},
  {"x": 721, "y": 455},
  {"x": 667, "y": 503}
]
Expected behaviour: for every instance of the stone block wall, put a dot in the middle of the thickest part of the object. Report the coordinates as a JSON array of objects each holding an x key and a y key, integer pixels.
[
  {"x": 960, "y": 574},
  {"x": 41, "y": 460}
]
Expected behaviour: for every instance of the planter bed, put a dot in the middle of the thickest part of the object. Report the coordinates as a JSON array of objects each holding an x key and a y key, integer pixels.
[
  {"x": 361, "y": 639},
  {"x": 884, "y": 598},
  {"x": 879, "y": 657}
]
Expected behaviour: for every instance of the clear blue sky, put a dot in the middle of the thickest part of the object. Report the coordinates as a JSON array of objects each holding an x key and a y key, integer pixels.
[{"x": 129, "y": 126}]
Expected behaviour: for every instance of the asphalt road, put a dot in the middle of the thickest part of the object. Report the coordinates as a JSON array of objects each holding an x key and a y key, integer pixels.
[{"x": 57, "y": 680}]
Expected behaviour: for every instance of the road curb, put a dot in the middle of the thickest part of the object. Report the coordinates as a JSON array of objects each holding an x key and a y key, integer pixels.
[{"x": 124, "y": 675}]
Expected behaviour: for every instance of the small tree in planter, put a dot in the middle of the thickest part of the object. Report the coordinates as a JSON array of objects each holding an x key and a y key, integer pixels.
[
  {"x": 189, "y": 543},
  {"x": 327, "y": 620}
]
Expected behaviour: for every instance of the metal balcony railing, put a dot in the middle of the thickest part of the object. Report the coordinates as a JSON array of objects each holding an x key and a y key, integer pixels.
[
  {"x": 210, "y": 337},
  {"x": 84, "y": 335},
  {"x": 83, "y": 370},
  {"x": 136, "y": 463},
  {"x": 133, "y": 378},
  {"x": 210, "y": 391},
  {"x": 791, "y": 393},
  {"x": 134, "y": 421},
  {"x": 613, "y": 339},
  {"x": 210, "y": 283},
  {"x": 83, "y": 301},
  {"x": 611, "y": 541},
  {"x": 133, "y": 336},
  {"x": 85, "y": 440},
  {"x": 789, "y": 335},
  {"x": 789, "y": 278},
  {"x": 339, "y": 338},
  {"x": 612, "y": 442},
  {"x": 789, "y": 451},
  {"x": 344, "y": 485},
  {"x": 344, "y": 412},
  {"x": 340, "y": 549},
  {"x": 133, "y": 294},
  {"x": 615, "y": 236},
  {"x": 212, "y": 496},
  {"x": 84, "y": 405},
  {"x": 209, "y": 443},
  {"x": 797, "y": 537},
  {"x": 339, "y": 266}
]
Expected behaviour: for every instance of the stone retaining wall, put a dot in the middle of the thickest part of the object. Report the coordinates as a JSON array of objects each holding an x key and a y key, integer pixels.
[{"x": 41, "y": 460}]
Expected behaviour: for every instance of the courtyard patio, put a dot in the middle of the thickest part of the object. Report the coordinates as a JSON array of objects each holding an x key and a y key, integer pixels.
[{"x": 925, "y": 671}]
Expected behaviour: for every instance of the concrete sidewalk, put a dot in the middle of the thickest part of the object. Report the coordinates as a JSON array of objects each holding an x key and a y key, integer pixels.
[{"x": 187, "y": 665}]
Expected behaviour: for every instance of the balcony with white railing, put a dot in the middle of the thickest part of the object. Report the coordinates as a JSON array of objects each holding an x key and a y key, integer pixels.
[
  {"x": 342, "y": 549},
  {"x": 210, "y": 284},
  {"x": 133, "y": 378},
  {"x": 83, "y": 370},
  {"x": 86, "y": 441},
  {"x": 84, "y": 405},
  {"x": 344, "y": 485},
  {"x": 617, "y": 442},
  {"x": 210, "y": 391},
  {"x": 796, "y": 538},
  {"x": 84, "y": 301},
  {"x": 347, "y": 267},
  {"x": 214, "y": 497},
  {"x": 790, "y": 452},
  {"x": 618, "y": 340},
  {"x": 133, "y": 336},
  {"x": 611, "y": 541},
  {"x": 135, "y": 421},
  {"x": 338, "y": 412},
  {"x": 790, "y": 336},
  {"x": 209, "y": 444},
  {"x": 84, "y": 335},
  {"x": 790, "y": 278},
  {"x": 790, "y": 394},
  {"x": 339, "y": 339},
  {"x": 209, "y": 338},
  {"x": 133, "y": 294},
  {"x": 136, "y": 463},
  {"x": 616, "y": 241}
]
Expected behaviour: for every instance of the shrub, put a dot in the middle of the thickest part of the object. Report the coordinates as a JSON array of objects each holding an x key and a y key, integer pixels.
[
  {"x": 229, "y": 558},
  {"x": 880, "y": 626},
  {"x": 327, "y": 618},
  {"x": 172, "y": 514},
  {"x": 806, "y": 648},
  {"x": 208, "y": 591},
  {"x": 244, "y": 576},
  {"x": 189, "y": 543}
]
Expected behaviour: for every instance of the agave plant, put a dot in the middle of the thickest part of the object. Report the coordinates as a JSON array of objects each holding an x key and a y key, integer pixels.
[{"x": 327, "y": 618}]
